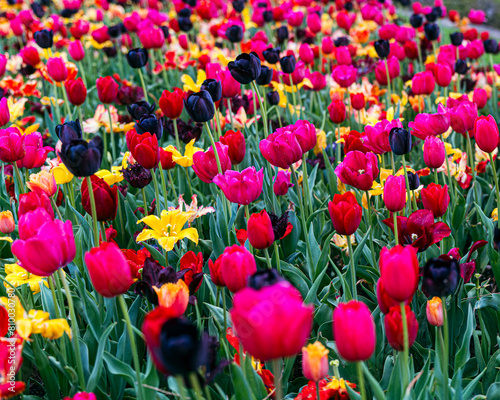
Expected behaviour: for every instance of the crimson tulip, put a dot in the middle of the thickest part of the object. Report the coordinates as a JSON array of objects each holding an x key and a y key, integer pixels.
[
  {"x": 345, "y": 213},
  {"x": 107, "y": 89},
  {"x": 486, "y": 133},
  {"x": 237, "y": 264},
  {"x": 106, "y": 198},
  {"x": 337, "y": 111},
  {"x": 260, "y": 230},
  {"x": 235, "y": 141},
  {"x": 436, "y": 198},
  {"x": 172, "y": 103},
  {"x": 205, "y": 163},
  {"x": 399, "y": 272},
  {"x": 144, "y": 148},
  {"x": 393, "y": 323},
  {"x": 76, "y": 90}
]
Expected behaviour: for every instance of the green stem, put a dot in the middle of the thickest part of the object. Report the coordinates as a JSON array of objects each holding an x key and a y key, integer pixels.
[
  {"x": 176, "y": 131},
  {"x": 494, "y": 168},
  {"x": 172, "y": 184},
  {"x": 56, "y": 208},
  {"x": 472, "y": 166},
  {"x": 135, "y": 356},
  {"x": 443, "y": 363},
  {"x": 103, "y": 232},
  {"x": 157, "y": 193},
  {"x": 361, "y": 379},
  {"x": 262, "y": 108},
  {"x": 144, "y": 200},
  {"x": 277, "y": 378},
  {"x": 213, "y": 147},
  {"x": 406, "y": 347},
  {"x": 293, "y": 99},
  {"x": 93, "y": 210},
  {"x": 446, "y": 335},
  {"x": 143, "y": 84},
  {"x": 276, "y": 250},
  {"x": 20, "y": 183},
  {"x": 224, "y": 310},
  {"x": 66, "y": 102},
  {"x": 371, "y": 231},
  {"x": 268, "y": 259},
  {"x": 163, "y": 184},
  {"x": 395, "y": 219},
  {"x": 407, "y": 183},
  {"x": 353, "y": 269},
  {"x": 450, "y": 181},
  {"x": 386, "y": 63},
  {"x": 307, "y": 192},
  {"x": 111, "y": 133}
]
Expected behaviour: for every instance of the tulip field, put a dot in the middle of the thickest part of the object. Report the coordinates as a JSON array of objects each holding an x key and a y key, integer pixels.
[{"x": 248, "y": 200}]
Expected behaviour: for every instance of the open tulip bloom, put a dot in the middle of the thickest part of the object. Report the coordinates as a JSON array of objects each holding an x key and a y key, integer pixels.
[{"x": 248, "y": 200}]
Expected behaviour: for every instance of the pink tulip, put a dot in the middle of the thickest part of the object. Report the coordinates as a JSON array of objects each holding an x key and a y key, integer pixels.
[
  {"x": 358, "y": 169},
  {"x": 57, "y": 69},
  {"x": 4, "y": 112},
  {"x": 395, "y": 193},
  {"x": 76, "y": 50},
  {"x": 36, "y": 153},
  {"x": 376, "y": 138},
  {"x": 463, "y": 114},
  {"x": 12, "y": 147},
  {"x": 430, "y": 124},
  {"x": 282, "y": 183},
  {"x": 205, "y": 164},
  {"x": 434, "y": 152},
  {"x": 345, "y": 75},
  {"x": 241, "y": 187}
]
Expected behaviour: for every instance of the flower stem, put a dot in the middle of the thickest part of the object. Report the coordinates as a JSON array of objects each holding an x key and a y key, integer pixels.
[
  {"x": 443, "y": 363},
  {"x": 395, "y": 219},
  {"x": 472, "y": 166},
  {"x": 157, "y": 193},
  {"x": 494, "y": 168},
  {"x": 388, "y": 82},
  {"x": 176, "y": 131},
  {"x": 293, "y": 99},
  {"x": 353, "y": 269},
  {"x": 268, "y": 259},
  {"x": 135, "y": 356},
  {"x": 407, "y": 184},
  {"x": 277, "y": 378},
  {"x": 66, "y": 102},
  {"x": 143, "y": 85},
  {"x": 263, "y": 110},
  {"x": 371, "y": 231},
  {"x": 213, "y": 147},
  {"x": 20, "y": 183},
  {"x": 361, "y": 379},
  {"x": 318, "y": 396},
  {"x": 144, "y": 200},
  {"x": 56, "y": 208},
  {"x": 450, "y": 181},
  {"x": 405, "y": 345},
  {"x": 93, "y": 210},
  {"x": 113, "y": 150}
]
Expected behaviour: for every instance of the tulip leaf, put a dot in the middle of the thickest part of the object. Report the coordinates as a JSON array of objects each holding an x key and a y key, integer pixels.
[
  {"x": 315, "y": 253},
  {"x": 361, "y": 247},
  {"x": 311, "y": 295},
  {"x": 376, "y": 388},
  {"x": 119, "y": 368},
  {"x": 463, "y": 354},
  {"x": 241, "y": 389},
  {"x": 96, "y": 371},
  {"x": 353, "y": 395},
  {"x": 254, "y": 380},
  {"x": 469, "y": 389},
  {"x": 458, "y": 212}
]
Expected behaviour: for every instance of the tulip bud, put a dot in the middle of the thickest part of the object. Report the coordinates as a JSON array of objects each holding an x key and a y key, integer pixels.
[
  {"x": 282, "y": 183},
  {"x": 399, "y": 272},
  {"x": 4, "y": 112},
  {"x": 480, "y": 98},
  {"x": 345, "y": 213},
  {"x": 431, "y": 31},
  {"x": 237, "y": 264},
  {"x": 443, "y": 74},
  {"x": 288, "y": 64},
  {"x": 44, "y": 38},
  {"x": 486, "y": 133},
  {"x": 393, "y": 323},
  {"x": 172, "y": 103},
  {"x": 416, "y": 21},
  {"x": 215, "y": 271},
  {"x": 260, "y": 230},
  {"x": 434, "y": 152},
  {"x": 315, "y": 361},
  {"x": 400, "y": 141},
  {"x": 434, "y": 311},
  {"x": 456, "y": 38},
  {"x": 423, "y": 83},
  {"x": 12, "y": 145},
  {"x": 108, "y": 269},
  {"x": 382, "y": 47},
  {"x": 57, "y": 69},
  {"x": 358, "y": 101},
  {"x": 440, "y": 276},
  {"x": 282, "y": 33},
  {"x": 461, "y": 67},
  {"x": 265, "y": 77},
  {"x": 413, "y": 180},
  {"x": 235, "y": 141},
  {"x": 395, "y": 193},
  {"x": 234, "y": 33},
  {"x": 436, "y": 198},
  {"x": 137, "y": 58},
  {"x": 107, "y": 89},
  {"x": 7, "y": 224},
  {"x": 76, "y": 90},
  {"x": 273, "y": 98},
  {"x": 337, "y": 111},
  {"x": 76, "y": 50},
  {"x": 272, "y": 55},
  {"x": 106, "y": 198},
  {"x": 200, "y": 106},
  {"x": 205, "y": 164},
  {"x": 213, "y": 87}
]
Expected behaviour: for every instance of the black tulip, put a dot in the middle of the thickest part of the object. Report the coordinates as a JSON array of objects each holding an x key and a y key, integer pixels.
[
  {"x": 149, "y": 123},
  {"x": 111, "y": 52},
  {"x": 213, "y": 87},
  {"x": 137, "y": 58},
  {"x": 341, "y": 41},
  {"x": 268, "y": 15},
  {"x": 496, "y": 238},
  {"x": 288, "y": 64},
  {"x": 182, "y": 350},
  {"x": 200, "y": 106},
  {"x": 69, "y": 131},
  {"x": 279, "y": 224},
  {"x": 456, "y": 38},
  {"x": 46, "y": 3},
  {"x": 413, "y": 180},
  {"x": 273, "y": 98},
  {"x": 440, "y": 276},
  {"x": 238, "y": 5},
  {"x": 246, "y": 68},
  {"x": 382, "y": 47},
  {"x": 282, "y": 33},
  {"x": 405, "y": 3},
  {"x": 348, "y": 6},
  {"x": 265, "y": 77},
  {"x": 234, "y": 33},
  {"x": 272, "y": 55},
  {"x": 264, "y": 278},
  {"x": 38, "y": 10},
  {"x": 165, "y": 30},
  {"x": 68, "y": 12},
  {"x": 140, "y": 108},
  {"x": 27, "y": 70},
  {"x": 433, "y": 15},
  {"x": 115, "y": 31},
  {"x": 185, "y": 13},
  {"x": 44, "y": 38},
  {"x": 137, "y": 176},
  {"x": 400, "y": 141},
  {"x": 191, "y": 3},
  {"x": 431, "y": 31},
  {"x": 490, "y": 46},
  {"x": 416, "y": 20},
  {"x": 461, "y": 67},
  {"x": 185, "y": 24}
]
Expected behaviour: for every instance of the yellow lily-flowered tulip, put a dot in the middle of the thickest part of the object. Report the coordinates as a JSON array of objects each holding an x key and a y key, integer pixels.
[
  {"x": 185, "y": 160},
  {"x": 190, "y": 84},
  {"x": 18, "y": 276},
  {"x": 61, "y": 174},
  {"x": 111, "y": 177}
]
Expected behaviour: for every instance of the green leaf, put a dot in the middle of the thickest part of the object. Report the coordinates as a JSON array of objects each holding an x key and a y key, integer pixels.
[
  {"x": 241, "y": 389},
  {"x": 311, "y": 295},
  {"x": 96, "y": 371},
  {"x": 463, "y": 354},
  {"x": 376, "y": 388},
  {"x": 467, "y": 393},
  {"x": 119, "y": 368},
  {"x": 458, "y": 212}
]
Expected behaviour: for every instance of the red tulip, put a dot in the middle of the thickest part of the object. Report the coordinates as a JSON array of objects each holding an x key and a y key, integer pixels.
[
  {"x": 395, "y": 193},
  {"x": 345, "y": 213},
  {"x": 358, "y": 101},
  {"x": 172, "y": 103},
  {"x": 385, "y": 302},
  {"x": 260, "y": 230},
  {"x": 486, "y": 133},
  {"x": 76, "y": 90},
  {"x": 337, "y": 111},
  {"x": 443, "y": 74},
  {"x": 423, "y": 83},
  {"x": 30, "y": 56},
  {"x": 205, "y": 163},
  {"x": 107, "y": 89},
  {"x": 393, "y": 323},
  {"x": 166, "y": 159},
  {"x": 215, "y": 271},
  {"x": 354, "y": 331},
  {"x": 144, "y": 148},
  {"x": 108, "y": 269},
  {"x": 57, "y": 69},
  {"x": 236, "y": 145},
  {"x": 358, "y": 169},
  {"x": 399, "y": 272},
  {"x": 193, "y": 263},
  {"x": 436, "y": 198},
  {"x": 237, "y": 264},
  {"x": 106, "y": 198}
]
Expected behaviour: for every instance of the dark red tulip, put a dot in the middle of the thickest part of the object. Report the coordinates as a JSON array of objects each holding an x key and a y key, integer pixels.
[
  {"x": 107, "y": 89},
  {"x": 144, "y": 148},
  {"x": 106, "y": 198},
  {"x": 235, "y": 141},
  {"x": 76, "y": 90},
  {"x": 172, "y": 103}
]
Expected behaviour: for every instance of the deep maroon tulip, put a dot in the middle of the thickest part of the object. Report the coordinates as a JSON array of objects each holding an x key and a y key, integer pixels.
[
  {"x": 106, "y": 198},
  {"x": 345, "y": 213}
]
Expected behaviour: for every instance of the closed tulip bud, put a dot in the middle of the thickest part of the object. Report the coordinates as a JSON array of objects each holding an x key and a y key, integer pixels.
[
  {"x": 144, "y": 148},
  {"x": 172, "y": 103},
  {"x": 246, "y": 68},
  {"x": 213, "y": 87},
  {"x": 315, "y": 361},
  {"x": 393, "y": 323},
  {"x": 200, "y": 106},
  {"x": 7, "y": 224},
  {"x": 486, "y": 133},
  {"x": 260, "y": 230},
  {"x": 423, "y": 83},
  {"x": 395, "y": 193},
  {"x": 480, "y": 98},
  {"x": 238, "y": 5},
  {"x": 107, "y": 89},
  {"x": 148, "y": 123},
  {"x": 137, "y": 176},
  {"x": 235, "y": 141},
  {"x": 282, "y": 183},
  {"x": 265, "y": 77},
  {"x": 282, "y": 33},
  {"x": 456, "y": 38},
  {"x": 383, "y": 48},
  {"x": 399, "y": 272},
  {"x": 280, "y": 310},
  {"x": 436, "y": 198},
  {"x": 440, "y": 276},
  {"x": 106, "y": 199},
  {"x": 272, "y": 55},
  {"x": 42, "y": 182},
  {"x": 354, "y": 331},
  {"x": 215, "y": 271},
  {"x": 234, "y": 33},
  {"x": 12, "y": 145},
  {"x": 237, "y": 264},
  {"x": 461, "y": 67},
  {"x": 30, "y": 56},
  {"x": 288, "y": 64},
  {"x": 314, "y": 22},
  {"x": 443, "y": 74},
  {"x": 174, "y": 297},
  {"x": 137, "y": 58},
  {"x": 76, "y": 90},
  {"x": 400, "y": 141},
  {"x": 416, "y": 20},
  {"x": 358, "y": 101},
  {"x": 241, "y": 187},
  {"x": 4, "y": 112},
  {"x": 31, "y": 201},
  {"x": 431, "y": 31},
  {"x": 434, "y": 311},
  {"x": 306, "y": 54},
  {"x": 273, "y": 98},
  {"x": 57, "y": 69},
  {"x": 44, "y": 38},
  {"x": 327, "y": 45},
  {"x": 413, "y": 180},
  {"x": 108, "y": 269},
  {"x": 337, "y": 111},
  {"x": 345, "y": 213},
  {"x": 76, "y": 50},
  {"x": 205, "y": 164},
  {"x": 434, "y": 152},
  {"x": 490, "y": 46}
]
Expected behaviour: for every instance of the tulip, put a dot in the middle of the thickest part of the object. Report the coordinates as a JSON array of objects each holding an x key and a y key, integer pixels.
[
  {"x": 30, "y": 56},
  {"x": 4, "y": 112},
  {"x": 36, "y": 154},
  {"x": 174, "y": 297},
  {"x": 385, "y": 302},
  {"x": 76, "y": 90},
  {"x": 214, "y": 268},
  {"x": 284, "y": 147},
  {"x": 423, "y": 83},
  {"x": 107, "y": 89},
  {"x": 314, "y": 22},
  {"x": 260, "y": 230},
  {"x": 393, "y": 323},
  {"x": 400, "y": 141},
  {"x": 315, "y": 361},
  {"x": 234, "y": 33},
  {"x": 44, "y": 38},
  {"x": 443, "y": 74},
  {"x": 434, "y": 311},
  {"x": 12, "y": 145},
  {"x": 345, "y": 75},
  {"x": 343, "y": 56},
  {"x": 337, "y": 111},
  {"x": 392, "y": 63},
  {"x": 288, "y": 64},
  {"x": 358, "y": 169},
  {"x": 235, "y": 141},
  {"x": 306, "y": 54},
  {"x": 477, "y": 16},
  {"x": 7, "y": 224},
  {"x": 345, "y": 213},
  {"x": 486, "y": 133},
  {"x": 76, "y": 50},
  {"x": 354, "y": 331},
  {"x": 82, "y": 396},
  {"x": 213, "y": 87},
  {"x": 152, "y": 38},
  {"x": 80, "y": 28},
  {"x": 376, "y": 138},
  {"x": 172, "y": 103},
  {"x": 138, "y": 176},
  {"x": 463, "y": 114},
  {"x": 205, "y": 164},
  {"x": 53, "y": 239},
  {"x": 358, "y": 101},
  {"x": 137, "y": 58},
  {"x": 43, "y": 182},
  {"x": 106, "y": 198},
  {"x": 434, "y": 152},
  {"x": 236, "y": 265},
  {"x": 148, "y": 123},
  {"x": 31, "y": 201},
  {"x": 430, "y": 124},
  {"x": 230, "y": 86},
  {"x": 30, "y": 222},
  {"x": 144, "y": 148},
  {"x": 436, "y": 198},
  {"x": 382, "y": 47},
  {"x": 200, "y": 106},
  {"x": 282, "y": 183},
  {"x": 431, "y": 31},
  {"x": 480, "y": 98},
  {"x": 263, "y": 320},
  {"x": 108, "y": 269},
  {"x": 57, "y": 69},
  {"x": 140, "y": 109},
  {"x": 245, "y": 68},
  {"x": 399, "y": 272},
  {"x": 440, "y": 276},
  {"x": 271, "y": 55},
  {"x": 241, "y": 187},
  {"x": 395, "y": 193}
]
